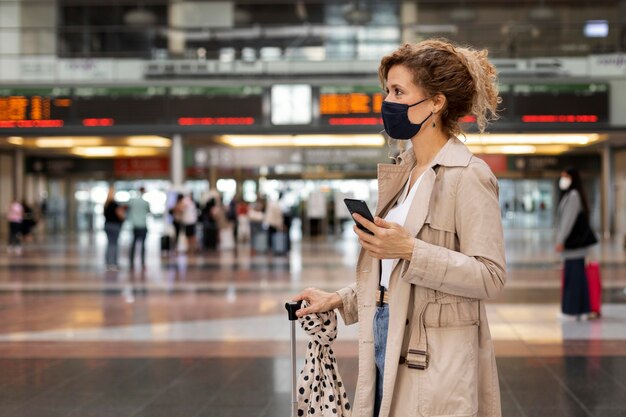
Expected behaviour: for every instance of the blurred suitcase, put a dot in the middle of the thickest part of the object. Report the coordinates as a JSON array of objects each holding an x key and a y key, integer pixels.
[
  {"x": 280, "y": 243},
  {"x": 166, "y": 243},
  {"x": 209, "y": 236},
  {"x": 595, "y": 287},
  {"x": 259, "y": 241},
  {"x": 227, "y": 239}
]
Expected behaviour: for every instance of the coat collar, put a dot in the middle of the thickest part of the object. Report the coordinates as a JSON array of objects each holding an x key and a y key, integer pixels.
[
  {"x": 453, "y": 154},
  {"x": 391, "y": 177}
]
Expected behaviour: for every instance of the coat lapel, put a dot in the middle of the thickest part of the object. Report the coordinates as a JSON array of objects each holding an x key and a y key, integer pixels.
[{"x": 391, "y": 178}]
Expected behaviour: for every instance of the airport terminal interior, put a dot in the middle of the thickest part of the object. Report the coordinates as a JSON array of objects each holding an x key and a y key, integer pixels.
[{"x": 246, "y": 123}]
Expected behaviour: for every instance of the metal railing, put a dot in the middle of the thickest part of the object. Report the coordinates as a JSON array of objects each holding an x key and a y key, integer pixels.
[{"x": 303, "y": 42}]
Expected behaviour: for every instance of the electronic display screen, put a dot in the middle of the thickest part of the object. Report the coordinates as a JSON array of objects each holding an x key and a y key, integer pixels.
[
  {"x": 359, "y": 105},
  {"x": 133, "y": 106},
  {"x": 523, "y": 104}
]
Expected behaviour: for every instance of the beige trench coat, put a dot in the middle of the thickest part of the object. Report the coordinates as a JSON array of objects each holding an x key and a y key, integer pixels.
[{"x": 435, "y": 299}]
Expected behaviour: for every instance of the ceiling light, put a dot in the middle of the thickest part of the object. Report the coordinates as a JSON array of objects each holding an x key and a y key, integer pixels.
[
  {"x": 15, "y": 140},
  {"x": 113, "y": 151},
  {"x": 574, "y": 139},
  {"x": 519, "y": 149},
  {"x": 151, "y": 141},
  {"x": 302, "y": 140},
  {"x": 596, "y": 29},
  {"x": 67, "y": 142}
]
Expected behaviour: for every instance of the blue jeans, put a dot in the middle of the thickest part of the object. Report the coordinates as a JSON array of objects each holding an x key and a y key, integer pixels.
[
  {"x": 139, "y": 235},
  {"x": 381, "y": 325},
  {"x": 113, "y": 233}
]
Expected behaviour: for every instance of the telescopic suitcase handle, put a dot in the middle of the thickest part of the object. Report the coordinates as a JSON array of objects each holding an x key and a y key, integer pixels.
[{"x": 292, "y": 307}]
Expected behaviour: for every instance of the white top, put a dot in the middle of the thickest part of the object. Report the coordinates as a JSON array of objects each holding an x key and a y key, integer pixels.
[
  {"x": 190, "y": 212},
  {"x": 398, "y": 215}
]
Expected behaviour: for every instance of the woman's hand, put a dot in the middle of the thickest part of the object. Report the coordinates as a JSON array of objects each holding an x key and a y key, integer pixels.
[
  {"x": 389, "y": 241},
  {"x": 318, "y": 301}
]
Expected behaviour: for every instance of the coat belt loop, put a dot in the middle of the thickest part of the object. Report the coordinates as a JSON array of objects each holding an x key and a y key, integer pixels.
[{"x": 417, "y": 356}]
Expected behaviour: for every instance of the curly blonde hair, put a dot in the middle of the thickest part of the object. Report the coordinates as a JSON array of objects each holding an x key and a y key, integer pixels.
[{"x": 463, "y": 75}]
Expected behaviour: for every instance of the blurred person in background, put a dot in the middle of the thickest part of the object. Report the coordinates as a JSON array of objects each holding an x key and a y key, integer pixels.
[
  {"x": 243, "y": 221},
  {"x": 15, "y": 216},
  {"x": 256, "y": 216},
  {"x": 209, "y": 225},
  {"x": 114, "y": 215},
  {"x": 29, "y": 222},
  {"x": 273, "y": 218},
  {"x": 231, "y": 215},
  {"x": 177, "y": 218},
  {"x": 572, "y": 222},
  {"x": 189, "y": 222},
  {"x": 138, "y": 210}
]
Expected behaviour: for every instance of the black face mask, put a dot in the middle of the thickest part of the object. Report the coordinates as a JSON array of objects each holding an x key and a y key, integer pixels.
[{"x": 396, "y": 120}]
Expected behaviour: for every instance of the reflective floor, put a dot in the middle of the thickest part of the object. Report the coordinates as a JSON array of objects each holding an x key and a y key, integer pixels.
[{"x": 206, "y": 334}]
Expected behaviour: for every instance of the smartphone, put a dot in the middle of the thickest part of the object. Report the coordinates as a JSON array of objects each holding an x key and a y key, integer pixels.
[{"x": 360, "y": 207}]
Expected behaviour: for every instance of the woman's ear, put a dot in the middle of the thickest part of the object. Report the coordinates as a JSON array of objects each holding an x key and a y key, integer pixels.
[{"x": 439, "y": 102}]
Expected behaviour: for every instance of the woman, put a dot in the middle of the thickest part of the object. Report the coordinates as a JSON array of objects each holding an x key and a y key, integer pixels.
[
  {"x": 190, "y": 221},
  {"x": 15, "y": 216},
  {"x": 573, "y": 211},
  {"x": 177, "y": 213},
  {"x": 437, "y": 247},
  {"x": 114, "y": 215}
]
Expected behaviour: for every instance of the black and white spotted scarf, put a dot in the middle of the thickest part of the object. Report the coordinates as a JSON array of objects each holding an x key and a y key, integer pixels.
[{"x": 320, "y": 389}]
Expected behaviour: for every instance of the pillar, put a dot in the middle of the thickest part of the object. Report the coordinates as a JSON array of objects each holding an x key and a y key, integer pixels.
[
  {"x": 18, "y": 174},
  {"x": 213, "y": 177},
  {"x": 177, "y": 162},
  {"x": 608, "y": 196},
  {"x": 408, "y": 20}
]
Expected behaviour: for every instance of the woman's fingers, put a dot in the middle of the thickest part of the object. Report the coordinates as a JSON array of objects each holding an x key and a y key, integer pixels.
[{"x": 306, "y": 311}]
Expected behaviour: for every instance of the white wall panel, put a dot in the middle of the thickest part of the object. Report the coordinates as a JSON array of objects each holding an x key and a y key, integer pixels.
[
  {"x": 617, "y": 103},
  {"x": 6, "y": 189}
]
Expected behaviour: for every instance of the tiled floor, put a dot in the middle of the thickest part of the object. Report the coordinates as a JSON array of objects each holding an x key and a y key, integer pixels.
[{"x": 207, "y": 335}]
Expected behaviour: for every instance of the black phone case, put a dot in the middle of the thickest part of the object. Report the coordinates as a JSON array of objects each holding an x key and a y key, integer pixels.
[{"x": 359, "y": 207}]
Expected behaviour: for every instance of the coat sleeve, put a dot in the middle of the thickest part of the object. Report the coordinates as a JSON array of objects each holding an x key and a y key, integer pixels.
[
  {"x": 349, "y": 311},
  {"x": 477, "y": 270},
  {"x": 565, "y": 223}
]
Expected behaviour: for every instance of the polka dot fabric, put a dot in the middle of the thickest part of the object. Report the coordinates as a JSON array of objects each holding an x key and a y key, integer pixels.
[{"x": 320, "y": 389}]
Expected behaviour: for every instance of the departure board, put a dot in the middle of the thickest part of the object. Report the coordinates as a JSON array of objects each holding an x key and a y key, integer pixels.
[
  {"x": 358, "y": 105},
  {"x": 130, "y": 106},
  {"x": 561, "y": 103},
  {"x": 352, "y": 108},
  {"x": 36, "y": 107},
  {"x": 521, "y": 105}
]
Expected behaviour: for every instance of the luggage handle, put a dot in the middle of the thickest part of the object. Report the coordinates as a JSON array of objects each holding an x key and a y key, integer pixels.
[{"x": 292, "y": 307}]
